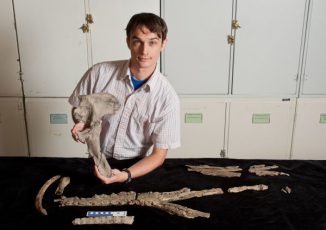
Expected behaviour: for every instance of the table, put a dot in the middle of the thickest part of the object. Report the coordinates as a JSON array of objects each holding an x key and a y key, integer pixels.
[{"x": 303, "y": 208}]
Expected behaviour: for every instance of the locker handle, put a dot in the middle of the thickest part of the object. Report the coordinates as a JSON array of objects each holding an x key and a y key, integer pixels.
[
  {"x": 235, "y": 24},
  {"x": 230, "y": 39},
  {"x": 89, "y": 20}
]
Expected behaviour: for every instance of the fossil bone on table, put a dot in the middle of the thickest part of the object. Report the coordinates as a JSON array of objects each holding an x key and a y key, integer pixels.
[
  {"x": 90, "y": 111},
  {"x": 263, "y": 170},
  {"x": 159, "y": 200},
  {"x": 228, "y": 171}
]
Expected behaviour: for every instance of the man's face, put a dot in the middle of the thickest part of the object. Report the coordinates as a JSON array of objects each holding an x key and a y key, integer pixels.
[{"x": 145, "y": 48}]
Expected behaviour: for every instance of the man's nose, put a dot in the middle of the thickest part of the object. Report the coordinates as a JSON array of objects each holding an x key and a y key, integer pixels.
[{"x": 144, "y": 48}]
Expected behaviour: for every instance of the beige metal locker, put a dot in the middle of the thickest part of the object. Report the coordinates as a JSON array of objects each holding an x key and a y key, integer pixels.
[
  {"x": 202, "y": 128},
  {"x": 13, "y": 141},
  {"x": 260, "y": 128},
  {"x": 267, "y": 47},
  {"x": 314, "y": 79},
  {"x": 49, "y": 124},
  {"x": 52, "y": 46},
  {"x": 197, "y": 55},
  {"x": 9, "y": 66},
  {"x": 310, "y": 129},
  {"x": 110, "y": 20}
]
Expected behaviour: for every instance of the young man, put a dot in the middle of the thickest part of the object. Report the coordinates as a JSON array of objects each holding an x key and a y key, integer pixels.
[{"x": 148, "y": 122}]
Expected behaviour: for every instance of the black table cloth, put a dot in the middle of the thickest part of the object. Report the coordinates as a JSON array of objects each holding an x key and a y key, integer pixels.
[{"x": 303, "y": 208}]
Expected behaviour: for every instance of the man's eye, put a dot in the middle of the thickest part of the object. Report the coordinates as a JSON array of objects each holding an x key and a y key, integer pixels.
[
  {"x": 135, "y": 42},
  {"x": 152, "y": 43}
]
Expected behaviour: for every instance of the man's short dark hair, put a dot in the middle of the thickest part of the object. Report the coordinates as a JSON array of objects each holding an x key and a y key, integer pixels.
[{"x": 154, "y": 23}]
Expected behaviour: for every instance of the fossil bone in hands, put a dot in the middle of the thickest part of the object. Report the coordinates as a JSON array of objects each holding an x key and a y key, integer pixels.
[{"x": 90, "y": 111}]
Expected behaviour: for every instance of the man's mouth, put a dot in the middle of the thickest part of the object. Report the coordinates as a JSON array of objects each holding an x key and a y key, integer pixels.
[{"x": 143, "y": 59}]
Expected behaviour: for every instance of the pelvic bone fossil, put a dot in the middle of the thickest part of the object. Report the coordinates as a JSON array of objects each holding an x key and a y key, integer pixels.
[
  {"x": 90, "y": 111},
  {"x": 158, "y": 200},
  {"x": 263, "y": 170},
  {"x": 229, "y": 171}
]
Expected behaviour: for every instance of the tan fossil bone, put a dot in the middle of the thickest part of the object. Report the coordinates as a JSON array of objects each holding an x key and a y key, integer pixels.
[
  {"x": 64, "y": 181},
  {"x": 90, "y": 111},
  {"x": 228, "y": 171},
  {"x": 41, "y": 192},
  {"x": 159, "y": 200},
  {"x": 263, "y": 170},
  {"x": 286, "y": 189},
  {"x": 104, "y": 220},
  {"x": 258, "y": 187}
]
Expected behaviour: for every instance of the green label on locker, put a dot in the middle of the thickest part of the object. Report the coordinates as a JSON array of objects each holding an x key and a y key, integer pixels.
[
  {"x": 193, "y": 118},
  {"x": 322, "y": 118},
  {"x": 261, "y": 118},
  {"x": 58, "y": 118}
]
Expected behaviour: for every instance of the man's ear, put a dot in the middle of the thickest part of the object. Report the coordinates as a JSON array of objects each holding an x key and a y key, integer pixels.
[
  {"x": 164, "y": 44},
  {"x": 127, "y": 41}
]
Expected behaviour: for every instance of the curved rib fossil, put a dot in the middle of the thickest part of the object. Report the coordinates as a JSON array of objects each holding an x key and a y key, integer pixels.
[
  {"x": 40, "y": 194},
  {"x": 64, "y": 181}
]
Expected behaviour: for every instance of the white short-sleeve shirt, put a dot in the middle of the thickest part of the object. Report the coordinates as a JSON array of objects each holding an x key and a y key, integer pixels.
[{"x": 149, "y": 116}]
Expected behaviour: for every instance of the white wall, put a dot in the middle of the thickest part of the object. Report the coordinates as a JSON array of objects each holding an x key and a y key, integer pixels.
[{"x": 274, "y": 66}]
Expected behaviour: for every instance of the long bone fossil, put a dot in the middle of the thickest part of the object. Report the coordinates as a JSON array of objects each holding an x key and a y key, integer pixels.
[
  {"x": 159, "y": 200},
  {"x": 90, "y": 111},
  {"x": 228, "y": 171}
]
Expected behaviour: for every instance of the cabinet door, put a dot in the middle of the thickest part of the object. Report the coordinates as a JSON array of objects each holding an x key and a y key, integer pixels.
[
  {"x": 196, "y": 59},
  {"x": 52, "y": 47},
  {"x": 310, "y": 129},
  {"x": 13, "y": 141},
  {"x": 267, "y": 47},
  {"x": 9, "y": 66},
  {"x": 202, "y": 128},
  {"x": 49, "y": 124},
  {"x": 260, "y": 128},
  {"x": 110, "y": 20},
  {"x": 314, "y": 79}
]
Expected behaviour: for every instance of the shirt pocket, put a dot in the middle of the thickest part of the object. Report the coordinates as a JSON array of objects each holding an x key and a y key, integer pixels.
[{"x": 142, "y": 127}]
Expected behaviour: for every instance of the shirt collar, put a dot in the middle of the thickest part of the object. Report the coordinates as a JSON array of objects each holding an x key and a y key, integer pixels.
[{"x": 151, "y": 82}]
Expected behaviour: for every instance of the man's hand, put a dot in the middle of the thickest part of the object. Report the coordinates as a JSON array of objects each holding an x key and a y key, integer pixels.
[
  {"x": 77, "y": 128},
  {"x": 117, "y": 176}
]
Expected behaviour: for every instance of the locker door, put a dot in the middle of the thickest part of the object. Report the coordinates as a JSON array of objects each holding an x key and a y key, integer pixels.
[
  {"x": 310, "y": 129},
  {"x": 13, "y": 141},
  {"x": 267, "y": 47},
  {"x": 9, "y": 66},
  {"x": 196, "y": 59},
  {"x": 314, "y": 79},
  {"x": 110, "y": 20},
  {"x": 53, "y": 48},
  {"x": 49, "y": 124},
  {"x": 260, "y": 128},
  {"x": 202, "y": 128}
]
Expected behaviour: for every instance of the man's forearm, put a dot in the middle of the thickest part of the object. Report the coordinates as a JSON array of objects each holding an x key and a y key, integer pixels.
[{"x": 148, "y": 163}]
